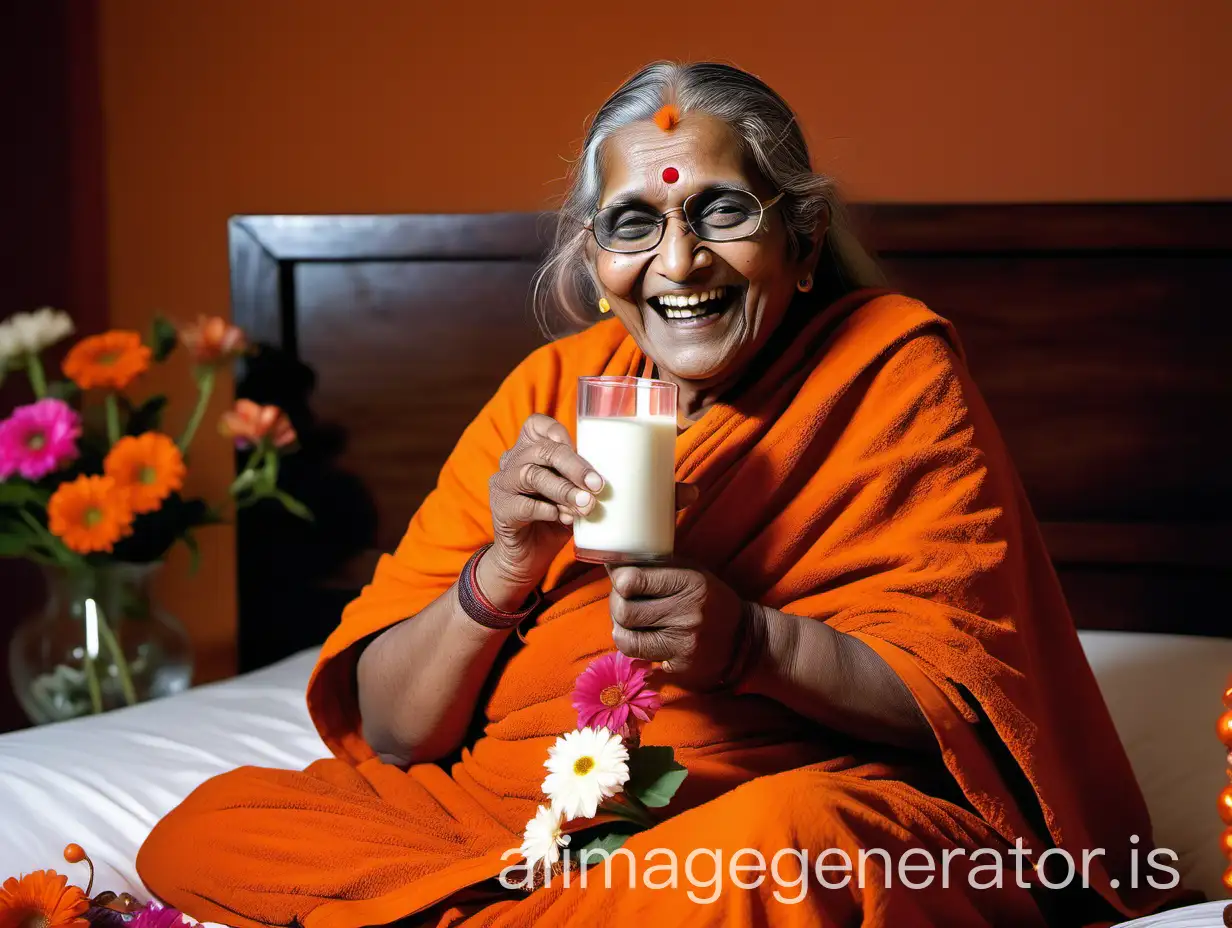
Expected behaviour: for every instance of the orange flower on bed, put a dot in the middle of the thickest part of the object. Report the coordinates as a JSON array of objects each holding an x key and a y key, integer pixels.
[
  {"x": 42, "y": 899},
  {"x": 111, "y": 360},
  {"x": 89, "y": 514},
  {"x": 248, "y": 423},
  {"x": 147, "y": 467},
  {"x": 213, "y": 339}
]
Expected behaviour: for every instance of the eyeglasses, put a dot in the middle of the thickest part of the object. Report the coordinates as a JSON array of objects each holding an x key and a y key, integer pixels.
[{"x": 720, "y": 214}]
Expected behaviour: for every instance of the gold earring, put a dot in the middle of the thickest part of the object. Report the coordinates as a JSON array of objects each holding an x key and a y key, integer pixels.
[
  {"x": 604, "y": 305},
  {"x": 805, "y": 284}
]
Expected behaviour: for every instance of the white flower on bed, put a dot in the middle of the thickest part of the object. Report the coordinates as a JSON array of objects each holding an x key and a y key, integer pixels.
[
  {"x": 543, "y": 840},
  {"x": 585, "y": 767}
]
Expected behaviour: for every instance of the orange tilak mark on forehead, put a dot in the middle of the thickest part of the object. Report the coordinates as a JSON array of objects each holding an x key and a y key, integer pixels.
[{"x": 667, "y": 117}]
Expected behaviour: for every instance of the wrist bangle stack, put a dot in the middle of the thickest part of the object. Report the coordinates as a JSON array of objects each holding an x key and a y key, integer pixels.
[{"x": 479, "y": 607}]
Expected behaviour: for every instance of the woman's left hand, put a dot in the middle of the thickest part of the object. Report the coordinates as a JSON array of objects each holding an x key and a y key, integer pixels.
[{"x": 687, "y": 619}]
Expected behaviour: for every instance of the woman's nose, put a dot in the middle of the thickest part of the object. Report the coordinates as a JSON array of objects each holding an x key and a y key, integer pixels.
[{"x": 679, "y": 253}]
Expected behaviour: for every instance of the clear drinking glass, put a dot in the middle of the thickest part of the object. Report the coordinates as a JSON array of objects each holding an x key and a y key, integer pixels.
[{"x": 626, "y": 430}]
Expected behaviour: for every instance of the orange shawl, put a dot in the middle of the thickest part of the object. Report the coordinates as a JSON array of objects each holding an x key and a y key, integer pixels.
[{"x": 857, "y": 479}]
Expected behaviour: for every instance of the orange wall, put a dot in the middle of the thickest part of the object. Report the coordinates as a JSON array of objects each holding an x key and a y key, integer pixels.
[{"x": 286, "y": 106}]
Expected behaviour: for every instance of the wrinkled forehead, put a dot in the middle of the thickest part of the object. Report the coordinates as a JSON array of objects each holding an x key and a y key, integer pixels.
[{"x": 705, "y": 151}]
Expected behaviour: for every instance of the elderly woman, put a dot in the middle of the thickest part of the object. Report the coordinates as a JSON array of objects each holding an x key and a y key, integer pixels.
[{"x": 861, "y": 647}]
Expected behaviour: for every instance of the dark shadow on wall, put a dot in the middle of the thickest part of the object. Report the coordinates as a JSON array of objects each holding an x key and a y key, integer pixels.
[{"x": 287, "y": 602}]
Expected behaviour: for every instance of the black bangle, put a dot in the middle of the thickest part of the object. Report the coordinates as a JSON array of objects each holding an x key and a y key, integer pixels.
[{"x": 480, "y": 608}]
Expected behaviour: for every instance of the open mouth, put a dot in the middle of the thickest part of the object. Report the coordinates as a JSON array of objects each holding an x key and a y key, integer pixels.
[{"x": 693, "y": 308}]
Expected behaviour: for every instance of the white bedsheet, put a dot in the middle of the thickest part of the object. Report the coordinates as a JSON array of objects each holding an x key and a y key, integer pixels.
[{"x": 104, "y": 782}]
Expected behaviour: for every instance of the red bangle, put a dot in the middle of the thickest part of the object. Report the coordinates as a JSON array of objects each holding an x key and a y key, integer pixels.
[{"x": 479, "y": 607}]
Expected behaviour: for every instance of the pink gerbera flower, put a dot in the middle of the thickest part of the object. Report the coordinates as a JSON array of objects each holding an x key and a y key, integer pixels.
[
  {"x": 38, "y": 439},
  {"x": 158, "y": 916},
  {"x": 610, "y": 690}
]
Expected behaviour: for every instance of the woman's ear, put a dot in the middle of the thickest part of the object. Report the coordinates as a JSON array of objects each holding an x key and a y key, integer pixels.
[{"x": 811, "y": 252}]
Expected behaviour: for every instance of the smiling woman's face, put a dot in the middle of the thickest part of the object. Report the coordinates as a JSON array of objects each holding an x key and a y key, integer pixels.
[{"x": 742, "y": 288}]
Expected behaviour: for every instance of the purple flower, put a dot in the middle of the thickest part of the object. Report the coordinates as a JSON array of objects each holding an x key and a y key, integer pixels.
[
  {"x": 101, "y": 917},
  {"x": 38, "y": 439},
  {"x": 157, "y": 916}
]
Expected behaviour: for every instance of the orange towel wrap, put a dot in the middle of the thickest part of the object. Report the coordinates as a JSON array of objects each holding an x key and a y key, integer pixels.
[{"x": 859, "y": 480}]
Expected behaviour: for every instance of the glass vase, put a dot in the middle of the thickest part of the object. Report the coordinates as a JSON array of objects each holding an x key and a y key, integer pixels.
[{"x": 100, "y": 643}]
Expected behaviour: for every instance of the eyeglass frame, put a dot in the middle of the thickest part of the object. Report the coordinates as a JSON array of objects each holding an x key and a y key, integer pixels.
[{"x": 662, "y": 221}]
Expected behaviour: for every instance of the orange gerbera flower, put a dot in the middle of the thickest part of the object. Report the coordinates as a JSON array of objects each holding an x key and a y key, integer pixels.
[
  {"x": 111, "y": 360},
  {"x": 42, "y": 899},
  {"x": 89, "y": 514},
  {"x": 213, "y": 339},
  {"x": 248, "y": 423},
  {"x": 148, "y": 467}
]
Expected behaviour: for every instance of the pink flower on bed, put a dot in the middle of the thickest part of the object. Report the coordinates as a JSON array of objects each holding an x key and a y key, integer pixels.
[
  {"x": 610, "y": 690},
  {"x": 38, "y": 439},
  {"x": 157, "y": 916}
]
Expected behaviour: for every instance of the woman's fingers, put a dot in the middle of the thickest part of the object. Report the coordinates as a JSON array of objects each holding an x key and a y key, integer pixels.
[
  {"x": 521, "y": 509},
  {"x": 538, "y": 426},
  {"x": 568, "y": 463},
  {"x": 535, "y": 480},
  {"x": 647, "y": 645}
]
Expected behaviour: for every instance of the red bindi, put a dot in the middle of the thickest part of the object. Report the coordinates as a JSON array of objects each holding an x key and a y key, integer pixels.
[{"x": 670, "y": 175}]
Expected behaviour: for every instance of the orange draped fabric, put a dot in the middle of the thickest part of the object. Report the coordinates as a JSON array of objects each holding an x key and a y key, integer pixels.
[{"x": 855, "y": 478}]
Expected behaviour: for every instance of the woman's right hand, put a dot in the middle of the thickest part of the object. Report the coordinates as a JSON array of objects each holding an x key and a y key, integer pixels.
[{"x": 542, "y": 486}]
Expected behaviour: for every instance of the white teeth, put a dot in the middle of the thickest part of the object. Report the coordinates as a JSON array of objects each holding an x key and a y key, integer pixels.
[{"x": 681, "y": 306}]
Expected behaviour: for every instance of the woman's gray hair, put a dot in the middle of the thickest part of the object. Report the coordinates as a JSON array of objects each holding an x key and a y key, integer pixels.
[{"x": 565, "y": 283}]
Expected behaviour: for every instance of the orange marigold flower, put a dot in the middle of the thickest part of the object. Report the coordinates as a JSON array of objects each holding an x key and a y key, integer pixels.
[
  {"x": 147, "y": 467},
  {"x": 42, "y": 899},
  {"x": 89, "y": 514},
  {"x": 248, "y": 423},
  {"x": 111, "y": 360},
  {"x": 213, "y": 339}
]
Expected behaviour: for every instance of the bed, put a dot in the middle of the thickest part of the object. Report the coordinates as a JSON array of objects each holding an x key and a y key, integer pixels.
[{"x": 1097, "y": 333}]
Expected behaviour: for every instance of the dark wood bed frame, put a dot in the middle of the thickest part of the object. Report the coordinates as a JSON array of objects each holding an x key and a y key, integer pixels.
[{"x": 1098, "y": 333}]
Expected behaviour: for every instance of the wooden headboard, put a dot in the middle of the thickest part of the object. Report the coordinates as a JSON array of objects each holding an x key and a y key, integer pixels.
[{"x": 1099, "y": 335}]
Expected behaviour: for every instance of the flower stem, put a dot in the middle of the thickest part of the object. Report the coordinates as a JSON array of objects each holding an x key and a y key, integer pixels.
[
  {"x": 48, "y": 539},
  {"x": 117, "y": 656},
  {"x": 205, "y": 389},
  {"x": 631, "y": 810},
  {"x": 243, "y": 480},
  {"x": 96, "y": 691},
  {"x": 113, "y": 419},
  {"x": 34, "y": 370}
]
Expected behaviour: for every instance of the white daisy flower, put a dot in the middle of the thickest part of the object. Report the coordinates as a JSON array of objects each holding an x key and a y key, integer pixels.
[
  {"x": 33, "y": 333},
  {"x": 585, "y": 767},
  {"x": 542, "y": 840}
]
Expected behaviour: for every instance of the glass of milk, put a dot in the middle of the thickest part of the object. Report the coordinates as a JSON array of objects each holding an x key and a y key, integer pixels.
[{"x": 626, "y": 430}]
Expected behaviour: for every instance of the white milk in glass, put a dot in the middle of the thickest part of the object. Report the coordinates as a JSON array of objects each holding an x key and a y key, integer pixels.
[{"x": 635, "y": 515}]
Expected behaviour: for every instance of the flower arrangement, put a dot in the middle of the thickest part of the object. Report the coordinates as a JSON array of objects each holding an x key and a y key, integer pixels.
[
  {"x": 89, "y": 477},
  {"x": 601, "y": 769},
  {"x": 45, "y": 898}
]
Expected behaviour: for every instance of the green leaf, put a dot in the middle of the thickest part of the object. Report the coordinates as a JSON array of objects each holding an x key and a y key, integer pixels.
[
  {"x": 293, "y": 506},
  {"x": 163, "y": 338},
  {"x": 62, "y": 390},
  {"x": 148, "y": 417},
  {"x": 654, "y": 775},
  {"x": 18, "y": 493},
  {"x": 609, "y": 842}
]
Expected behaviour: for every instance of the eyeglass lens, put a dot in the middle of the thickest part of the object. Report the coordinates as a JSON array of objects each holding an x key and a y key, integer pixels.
[{"x": 719, "y": 215}]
